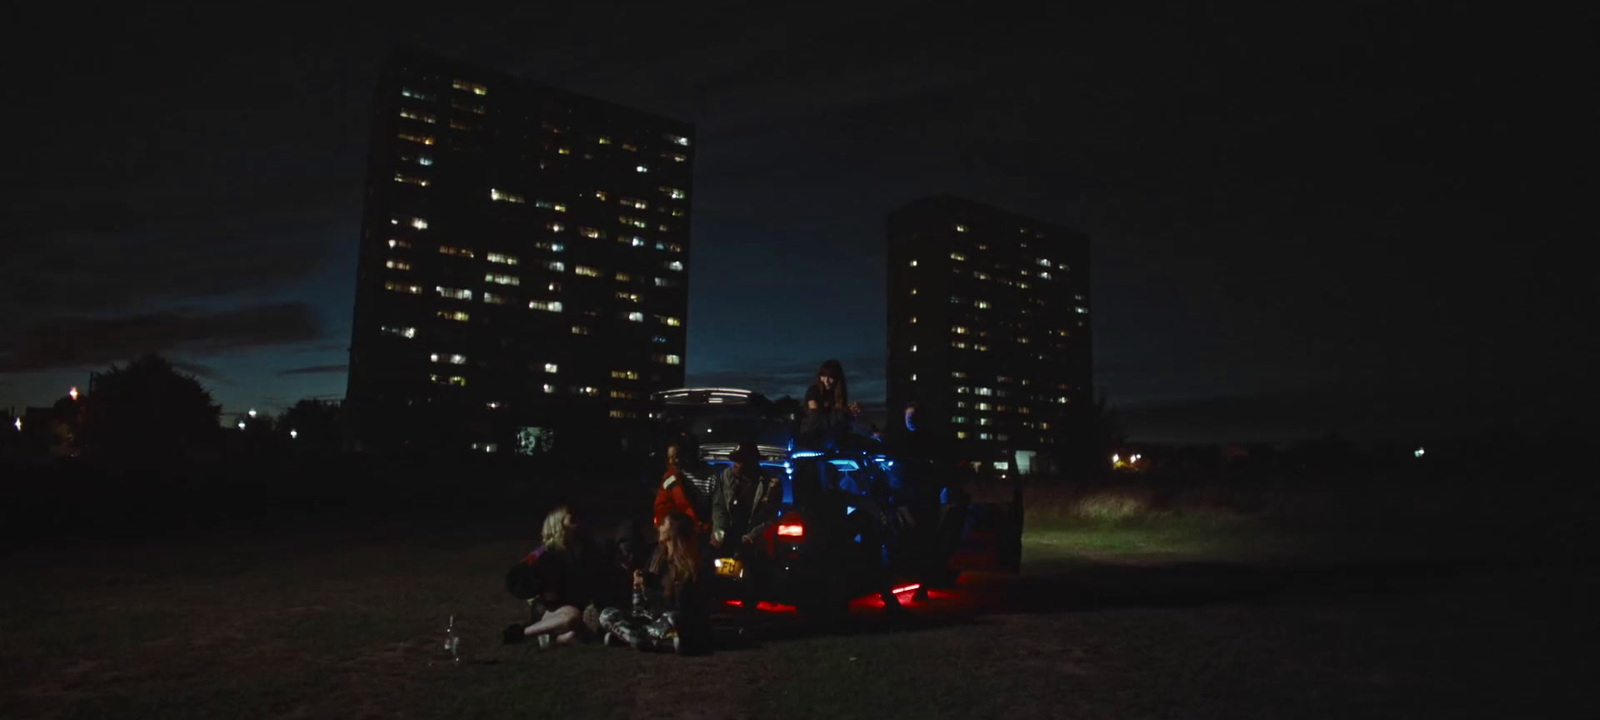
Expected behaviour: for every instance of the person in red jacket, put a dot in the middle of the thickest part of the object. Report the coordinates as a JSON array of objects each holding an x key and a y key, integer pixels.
[{"x": 672, "y": 497}]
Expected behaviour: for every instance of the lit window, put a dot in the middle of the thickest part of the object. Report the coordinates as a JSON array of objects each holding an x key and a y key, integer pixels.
[
  {"x": 548, "y": 388},
  {"x": 502, "y": 258},
  {"x": 454, "y": 315},
  {"x": 1044, "y": 262},
  {"x": 958, "y": 344},
  {"x": 675, "y": 265},
  {"x": 961, "y": 434},
  {"x": 397, "y": 265},
  {"x": 666, "y": 282},
  {"x": 669, "y": 359},
  {"x": 961, "y": 228},
  {"x": 419, "y": 224},
  {"x": 636, "y": 317},
  {"x": 625, "y": 374},
  {"x": 580, "y": 330},
  {"x": 958, "y": 374},
  {"x": 563, "y": 151},
  {"x": 959, "y": 329},
  {"x": 958, "y": 257},
  {"x": 981, "y": 304},
  {"x": 585, "y": 271},
  {"x": 414, "y": 115},
  {"x": 502, "y": 196},
  {"x": 600, "y": 195},
  {"x": 500, "y": 279},
  {"x": 636, "y": 222},
  {"x": 414, "y": 94},
  {"x": 669, "y": 321},
  {"x": 591, "y": 391},
  {"x": 1044, "y": 275},
  {"x": 545, "y": 305},
  {"x": 551, "y": 246},
  {"x": 1023, "y": 340},
  {"x": 624, "y": 414},
  {"x": 1062, "y": 400},
  {"x": 674, "y": 193},
  {"x": 628, "y": 296},
  {"x": 913, "y": 263},
  {"x": 635, "y": 203},
  {"x": 474, "y": 108},
  {"x": 555, "y": 266},
  {"x": 624, "y": 277},
  {"x": 454, "y": 380},
  {"x": 913, "y": 377},
  {"x": 405, "y": 332},
  {"x": 602, "y": 140},
  {"x": 552, "y": 368},
  {"x": 494, "y": 298},
  {"x": 622, "y": 395},
  {"x": 455, "y": 251},
  {"x": 1082, "y": 310},
  {"x": 638, "y": 241},
  {"x": 423, "y": 160},
  {"x": 642, "y": 169},
  {"x": 958, "y": 419},
  {"x": 979, "y": 274},
  {"x": 675, "y": 157},
  {"x": 422, "y": 139},
  {"x": 402, "y": 244},
  {"x": 983, "y": 391},
  {"x": 983, "y": 436},
  {"x": 913, "y": 319},
  {"x": 452, "y": 359},
  {"x": 669, "y": 246},
  {"x": 677, "y": 139},
  {"x": 556, "y": 227},
  {"x": 630, "y": 147},
  {"x": 913, "y": 348},
  {"x": 474, "y": 88},
  {"x": 454, "y": 293},
  {"x": 403, "y": 287}
]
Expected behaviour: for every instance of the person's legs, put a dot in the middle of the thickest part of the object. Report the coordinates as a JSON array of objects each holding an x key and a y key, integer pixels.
[{"x": 561, "y": 620}]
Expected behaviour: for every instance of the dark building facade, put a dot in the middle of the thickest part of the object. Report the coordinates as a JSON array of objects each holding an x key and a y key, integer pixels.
[
  {"x": 524, "y": 261},
  {"x": 989, "y": 332}
]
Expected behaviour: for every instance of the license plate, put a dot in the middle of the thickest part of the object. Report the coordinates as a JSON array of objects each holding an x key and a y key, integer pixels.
[{"x": 728, "y": 567}]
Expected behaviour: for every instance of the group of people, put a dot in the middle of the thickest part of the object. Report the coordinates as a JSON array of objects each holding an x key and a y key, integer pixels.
[{"x": 575, "y": 587}]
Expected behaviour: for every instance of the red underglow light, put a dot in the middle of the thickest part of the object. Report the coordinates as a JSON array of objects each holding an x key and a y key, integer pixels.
[
  {"x": 906, "y": 588},
  {"x": 791, "y": 531}
]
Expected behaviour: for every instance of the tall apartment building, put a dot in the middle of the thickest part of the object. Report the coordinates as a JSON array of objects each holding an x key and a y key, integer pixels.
[
  {"x": 524, "y": 260},
  {"x": 989, "y": 331}
]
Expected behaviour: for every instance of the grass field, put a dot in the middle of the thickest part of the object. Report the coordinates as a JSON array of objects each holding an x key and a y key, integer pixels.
[{"x": 1161, "y": 615}]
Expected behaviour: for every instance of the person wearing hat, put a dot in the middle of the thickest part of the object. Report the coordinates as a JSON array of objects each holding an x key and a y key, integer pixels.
[{"x": 744, "y": 507}]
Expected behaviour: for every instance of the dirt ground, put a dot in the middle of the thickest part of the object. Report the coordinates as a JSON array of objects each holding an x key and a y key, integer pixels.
[{"x": 1153, "y": 622}]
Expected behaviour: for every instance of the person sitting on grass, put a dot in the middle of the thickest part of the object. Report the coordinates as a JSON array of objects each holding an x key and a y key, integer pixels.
[
  {"x": 670, "y": 606},
  {"x": 561, "y": 581}
]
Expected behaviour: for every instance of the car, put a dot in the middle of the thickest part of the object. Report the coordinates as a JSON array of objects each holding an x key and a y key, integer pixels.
[{"x": 839, "y": 535}]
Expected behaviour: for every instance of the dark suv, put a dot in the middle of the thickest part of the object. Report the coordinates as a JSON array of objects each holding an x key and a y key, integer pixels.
[{"x": 839, "y": 536}]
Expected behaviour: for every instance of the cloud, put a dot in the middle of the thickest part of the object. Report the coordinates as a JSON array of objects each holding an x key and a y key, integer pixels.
[
  {"x": 61, "y": 342},
  {"x": 317, "y": 370}
]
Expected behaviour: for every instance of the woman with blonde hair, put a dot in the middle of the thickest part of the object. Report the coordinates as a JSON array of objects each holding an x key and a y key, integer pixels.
[{"x": 561, "y": 581}]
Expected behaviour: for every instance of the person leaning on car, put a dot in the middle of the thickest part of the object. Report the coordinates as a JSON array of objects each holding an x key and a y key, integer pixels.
[{"x": 746, "y": 500}]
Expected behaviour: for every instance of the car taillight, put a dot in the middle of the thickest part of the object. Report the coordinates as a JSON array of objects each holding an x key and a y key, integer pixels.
[{"x": 791, "y": 530}]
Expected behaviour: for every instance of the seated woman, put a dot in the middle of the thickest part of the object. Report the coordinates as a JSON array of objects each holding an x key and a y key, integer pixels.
[
  {"x": 560, "y": 580},
  {"x": 828, "y": 410},
  {"x": 670, "y": 605}
]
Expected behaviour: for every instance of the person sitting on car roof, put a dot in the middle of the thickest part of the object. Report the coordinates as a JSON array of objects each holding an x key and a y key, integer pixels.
[{"x": 829, "y": 412}]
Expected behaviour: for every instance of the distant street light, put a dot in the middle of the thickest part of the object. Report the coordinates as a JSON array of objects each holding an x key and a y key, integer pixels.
[
  {"x": 252, "y": 412},
  {"x": 73, "y": 393},
  {"x": 18, "y": 423},
  {"x": 241, "y": 424},
  {"x": 1419, "y": 452},
  {"x": 294, "y": 434}
]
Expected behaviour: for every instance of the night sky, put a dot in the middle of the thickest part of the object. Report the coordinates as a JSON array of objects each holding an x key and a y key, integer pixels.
[{"x": 1362, "y": 217}]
